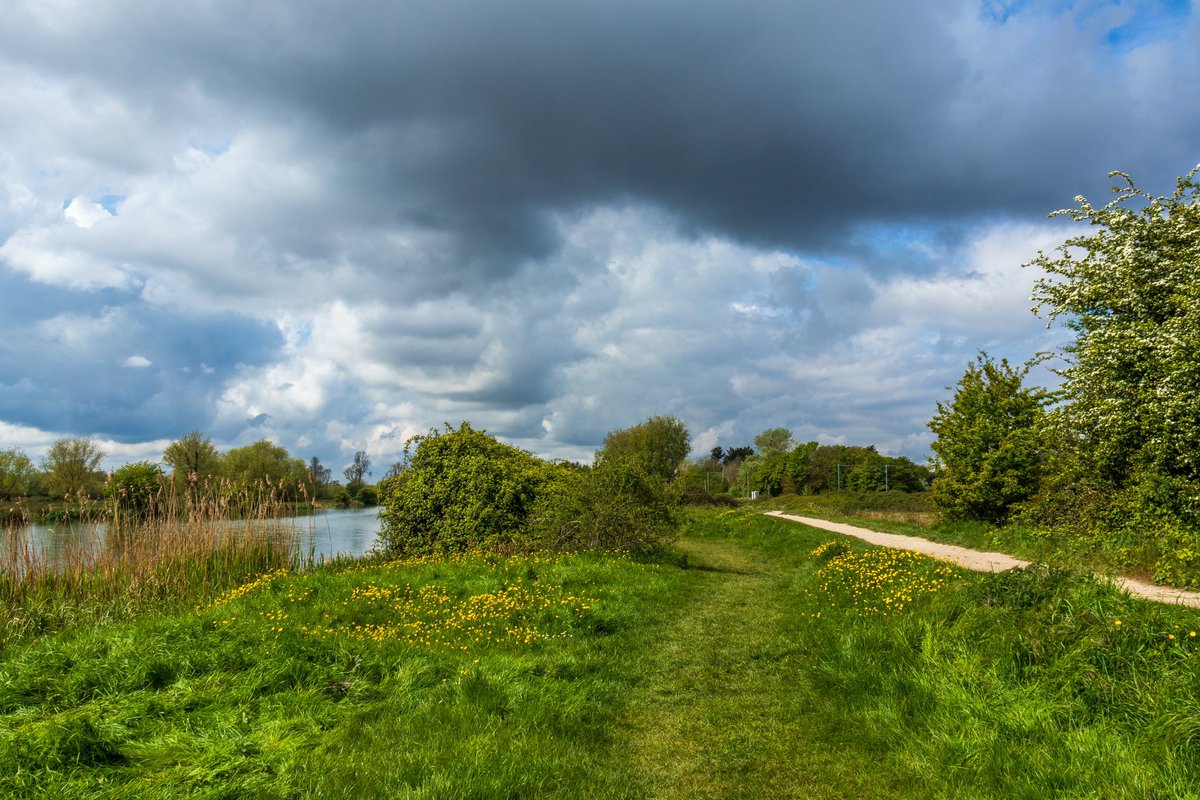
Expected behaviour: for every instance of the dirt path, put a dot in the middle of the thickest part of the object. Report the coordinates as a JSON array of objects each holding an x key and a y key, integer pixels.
[{"x": 981, "y": 561}]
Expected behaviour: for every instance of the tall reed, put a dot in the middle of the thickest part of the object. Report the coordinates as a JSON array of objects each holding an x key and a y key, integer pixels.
[{"x": 182, "y": 543}]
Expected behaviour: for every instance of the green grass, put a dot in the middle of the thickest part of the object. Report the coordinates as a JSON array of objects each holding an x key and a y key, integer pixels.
[{"x": 739, "y": 665}]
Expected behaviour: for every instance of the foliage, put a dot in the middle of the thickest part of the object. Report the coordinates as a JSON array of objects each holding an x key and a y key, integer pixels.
[
  {"x": 463, "y": 489},
  {"x": 1125, "y": 463},
  {"x": 71, "y": 467},
  {"x": 988, "y": 446},
  {"x": 16, "y": 474},
  {"x": 700, "y": 479},
  {"x": 1131, "y": 293},
  {"x": 192, "y": 458},
  {"x": 356, "y": 471},
  {"x": 659, "y": 446},
  {"x": 615, "y": 504},
  {"x": 734, "y": 454},
  {"x": 319, "y": 474},
  {"x": 773, "y": 441},
  {"x": 265, "y": 462},
  {"x": 136, "y": 488}
]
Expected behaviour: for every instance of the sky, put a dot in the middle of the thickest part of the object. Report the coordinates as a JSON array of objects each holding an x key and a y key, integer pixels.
[{"x": 336, "y": 226}]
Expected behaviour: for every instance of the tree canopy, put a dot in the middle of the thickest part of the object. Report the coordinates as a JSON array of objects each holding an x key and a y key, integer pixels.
[
  {"x": 264, "y": 462},
  {"x": 658, "y": 446},
  {"x": 16, "y": 473},
  {"x": 988, "y": 448},
  {"x": 72, "y": 465},
  {"x": 192, "y": 458},
  {"x": 1130, "y": 290}
]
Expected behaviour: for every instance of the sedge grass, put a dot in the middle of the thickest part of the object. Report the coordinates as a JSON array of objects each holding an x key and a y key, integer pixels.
[{"x": 118, "y": 561}]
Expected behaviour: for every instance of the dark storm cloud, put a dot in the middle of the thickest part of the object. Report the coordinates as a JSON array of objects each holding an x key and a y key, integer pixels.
[
  {"x": 337, "y": 225},
  {"x": 776, "y": 124}
]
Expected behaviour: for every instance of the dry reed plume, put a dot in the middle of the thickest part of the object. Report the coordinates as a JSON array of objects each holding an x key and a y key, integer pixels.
[{"x": 179, "y": 543}]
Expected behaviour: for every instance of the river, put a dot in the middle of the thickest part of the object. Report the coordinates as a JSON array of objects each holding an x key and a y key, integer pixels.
[{"x": 329, "y": 533}]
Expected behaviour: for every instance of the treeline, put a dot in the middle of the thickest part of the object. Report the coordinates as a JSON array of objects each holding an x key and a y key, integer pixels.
[
  {"x": 1110, "y": 461},
  {"x": 777, "y": 464},
  {"x": 461, "y": 489},
  {"x": 190, "y": 465}
]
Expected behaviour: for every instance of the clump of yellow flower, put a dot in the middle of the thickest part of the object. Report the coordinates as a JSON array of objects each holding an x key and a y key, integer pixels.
[
  {"x": 514, "y": 606},
  {"x": 239, "y": 592},
  {"x": 431, "y": 616},
  {"x": 883, "y": 581}
]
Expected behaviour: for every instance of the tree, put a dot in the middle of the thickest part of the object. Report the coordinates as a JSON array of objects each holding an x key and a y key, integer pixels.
[
  {"x": 192, "y": 458},
  {"x": 1131, "y": 293},
  {"x": 16, "y": 474},
  {"x": 71, "y": 467},
  {"x": 988, "y": 449},
  {"x": 737, "y": 454},
  {"x": 319, "y": 474},
  {"x": 355, "y": 472},
  {"x": 773, "y": 441},
  {"x": 658, "y": 445},
  {"x": 264, "y": 462}
]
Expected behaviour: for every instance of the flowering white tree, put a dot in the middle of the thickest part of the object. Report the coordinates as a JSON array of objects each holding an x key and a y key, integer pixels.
[{"x": 1131, "y": 292}]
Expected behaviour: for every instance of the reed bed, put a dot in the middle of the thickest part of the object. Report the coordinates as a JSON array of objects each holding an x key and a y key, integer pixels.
[{"x": 173, "y": 546}]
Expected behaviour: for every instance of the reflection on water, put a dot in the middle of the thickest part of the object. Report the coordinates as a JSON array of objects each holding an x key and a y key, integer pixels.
[
  {"x": 338, "y": 532},
  {"x": 330, "y": 533}
]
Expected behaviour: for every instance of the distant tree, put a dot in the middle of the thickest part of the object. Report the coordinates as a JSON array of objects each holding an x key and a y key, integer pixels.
[
  {"x": 773, "y": 441},
  {"x": 658, "y": 446},
  {"x": 988, "y": 449},
  {"x": 192, "y": 458},
  {"x": 737, "y": 454},
  {"x": 265, "y": 462},
  {"x": 71, "y": 467},
  {"x": 799, "y": 463},
  {"x": 356, "y": 471},
  {"x": 16, "y": 474},
  {"x": 716, "y": 454},
  {"x": 319, "y": 474}
]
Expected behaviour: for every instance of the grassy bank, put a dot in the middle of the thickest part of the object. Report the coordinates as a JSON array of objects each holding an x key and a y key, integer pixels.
[{"x": 760, "y": 659}]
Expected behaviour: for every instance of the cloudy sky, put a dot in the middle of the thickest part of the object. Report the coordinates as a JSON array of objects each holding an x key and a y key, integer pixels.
[{"x": 337, "y": 225}]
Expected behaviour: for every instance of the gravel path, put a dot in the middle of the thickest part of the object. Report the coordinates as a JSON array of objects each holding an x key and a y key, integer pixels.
[{"x": 981, "y": 561}]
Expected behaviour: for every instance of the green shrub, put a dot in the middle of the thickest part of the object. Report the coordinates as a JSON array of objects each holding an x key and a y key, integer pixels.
[
  {"x": 614, "y": 505},
  {"x": 463, "y": 489},
  {"x": 136, "y": 488}
]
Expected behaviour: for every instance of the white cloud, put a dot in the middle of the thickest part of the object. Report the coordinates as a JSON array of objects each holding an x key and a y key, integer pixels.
[
  {"x": 84, "y": 213},
  {"x": 137, "y": 362},
  {"x": 58, "y": 258}
]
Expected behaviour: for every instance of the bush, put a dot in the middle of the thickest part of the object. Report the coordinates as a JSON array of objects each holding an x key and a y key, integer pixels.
[
  {"x": 136, "y": 488},
  {"x": 463, "y": 489},
  {"x": 614, "y": 505}
]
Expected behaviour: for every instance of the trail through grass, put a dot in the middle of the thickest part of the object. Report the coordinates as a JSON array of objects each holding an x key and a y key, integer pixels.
[{"x": 724, "y": 711}]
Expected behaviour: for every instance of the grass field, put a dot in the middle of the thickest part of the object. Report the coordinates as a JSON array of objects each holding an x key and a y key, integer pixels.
[{"x": 759, "y": 658}]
